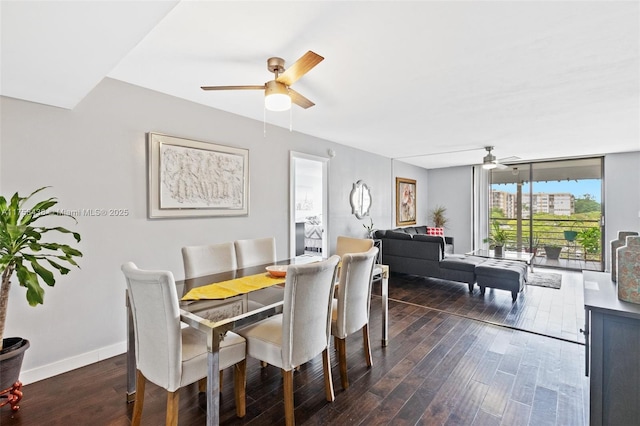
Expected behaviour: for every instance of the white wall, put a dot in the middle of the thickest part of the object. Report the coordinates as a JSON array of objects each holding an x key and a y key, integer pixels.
[
  {"x": 358, "y": 165},
  {"x": 94, "y": 157},
  {"x": 452, "y": 188},
  {"x": 622, "y": 196},
  {"x": 408, "y": 171}
]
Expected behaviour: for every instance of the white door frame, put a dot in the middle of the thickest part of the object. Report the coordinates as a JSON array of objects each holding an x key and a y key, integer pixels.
[{"x": 293, "y": 155}]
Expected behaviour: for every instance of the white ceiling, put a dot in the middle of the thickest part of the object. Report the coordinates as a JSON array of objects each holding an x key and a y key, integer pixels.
[{"x": 427, "y": 82}]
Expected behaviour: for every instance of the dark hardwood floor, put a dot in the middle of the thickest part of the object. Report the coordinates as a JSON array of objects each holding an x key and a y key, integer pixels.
[
  {"x": 551, "y": 312},
  {"x": 440, "y": 368}
]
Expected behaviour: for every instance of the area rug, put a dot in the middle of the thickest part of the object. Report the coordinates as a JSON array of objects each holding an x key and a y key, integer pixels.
[{"x": 545, "y": 279}]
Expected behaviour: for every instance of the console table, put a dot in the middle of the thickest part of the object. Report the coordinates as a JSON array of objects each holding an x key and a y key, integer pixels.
[{"x": 612, "y": 344}]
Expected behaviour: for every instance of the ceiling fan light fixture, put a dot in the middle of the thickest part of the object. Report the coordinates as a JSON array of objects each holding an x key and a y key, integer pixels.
[
  {"x": 489, "y": 161},
  {"x": 276, "y": 96}
]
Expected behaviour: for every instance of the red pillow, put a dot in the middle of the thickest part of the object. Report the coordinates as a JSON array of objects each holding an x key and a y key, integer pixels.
[{"x": 435, "y": 231}]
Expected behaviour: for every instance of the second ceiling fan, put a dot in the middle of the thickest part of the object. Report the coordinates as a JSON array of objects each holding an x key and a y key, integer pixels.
[
  {"x": 278, "y": 92},
  {"x": 490, "y": 161}
]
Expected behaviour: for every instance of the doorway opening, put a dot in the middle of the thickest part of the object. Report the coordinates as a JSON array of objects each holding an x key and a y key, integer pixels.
[{"x": 308, "y": 195}]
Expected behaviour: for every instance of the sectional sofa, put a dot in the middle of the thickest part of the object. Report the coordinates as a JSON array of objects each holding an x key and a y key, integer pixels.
[{"x": 411, "y": 251}]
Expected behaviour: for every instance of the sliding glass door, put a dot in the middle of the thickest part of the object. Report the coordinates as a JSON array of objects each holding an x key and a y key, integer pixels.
[{"x": 553, "y": 209}]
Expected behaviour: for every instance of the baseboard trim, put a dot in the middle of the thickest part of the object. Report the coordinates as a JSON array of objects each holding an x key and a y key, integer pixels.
[{"x": 68, "y": 364}]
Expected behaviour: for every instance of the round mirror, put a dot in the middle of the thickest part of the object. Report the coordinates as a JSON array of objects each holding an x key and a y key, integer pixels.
[{"x": 360, "y": 199}]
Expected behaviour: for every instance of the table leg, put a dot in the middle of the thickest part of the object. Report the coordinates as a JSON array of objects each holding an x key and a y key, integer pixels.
[
  {"x": 384, "y": 290},
  {"x": 213, "y": 379},
  {"x": 213, "y": 389},
  {"x": 131, "y": 352}
]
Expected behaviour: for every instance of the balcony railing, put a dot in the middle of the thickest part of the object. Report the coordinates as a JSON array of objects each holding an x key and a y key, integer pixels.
[{"x": 585, "y": 245}]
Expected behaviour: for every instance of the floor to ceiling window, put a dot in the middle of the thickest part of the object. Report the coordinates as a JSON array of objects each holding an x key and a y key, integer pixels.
[{"x": 553, "y": 209}]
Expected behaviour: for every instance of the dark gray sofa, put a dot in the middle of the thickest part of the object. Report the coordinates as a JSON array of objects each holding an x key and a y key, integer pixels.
[
  {"x": 416, "y": 253},
  {"x": 421, "y": 230},
  {"x": 411, "y": 251}
]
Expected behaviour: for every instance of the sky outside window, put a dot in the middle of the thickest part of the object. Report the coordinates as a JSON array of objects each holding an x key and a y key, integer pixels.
[{"x": 577, "y": 188}]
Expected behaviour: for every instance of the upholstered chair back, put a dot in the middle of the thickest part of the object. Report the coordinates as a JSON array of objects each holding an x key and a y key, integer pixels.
[
  {"x": 352, "y": 245},
  {"x": 208, "y": 259},
  {"x": 156, "y": 318},
  {"x": 256, "y": 251},
  {"x": 354, "y": 292},
  {"x": 306, "y": 322}
]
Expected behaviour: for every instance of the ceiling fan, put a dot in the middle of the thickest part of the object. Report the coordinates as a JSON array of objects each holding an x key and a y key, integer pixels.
[
  {"x": 491, "y": 162},
  {"x": 278, "y": 94}
]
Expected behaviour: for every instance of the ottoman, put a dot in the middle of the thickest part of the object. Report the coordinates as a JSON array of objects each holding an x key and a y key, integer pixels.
[
  {"x": 461, "y": 268},
  {"x": 502, "y": 274}
]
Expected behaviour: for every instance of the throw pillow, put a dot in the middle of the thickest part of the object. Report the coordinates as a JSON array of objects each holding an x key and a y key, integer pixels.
[{"x": 435, "y": 231}]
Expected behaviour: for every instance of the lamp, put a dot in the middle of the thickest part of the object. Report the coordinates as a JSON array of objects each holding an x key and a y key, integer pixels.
[
  {"x": 276, "y": 96},
  {"x": 489, "y": 161}
]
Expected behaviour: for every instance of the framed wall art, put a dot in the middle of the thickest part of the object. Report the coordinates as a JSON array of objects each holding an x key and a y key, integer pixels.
[
  {"x": 405, "y": 201},
  {"x": 188, "y": 178}
]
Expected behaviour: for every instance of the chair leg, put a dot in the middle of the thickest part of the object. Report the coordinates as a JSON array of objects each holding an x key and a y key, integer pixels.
[
  {"x": 328, "y": 381},
  {"x": 239, "y": 382},
  {"x": 367, "y": 345},
  {"x": 341, "y": 345},
  {"x": 139, "y": 401},
  {"x": 289, "y": 417},
  {"x": 173, "y": 398}
]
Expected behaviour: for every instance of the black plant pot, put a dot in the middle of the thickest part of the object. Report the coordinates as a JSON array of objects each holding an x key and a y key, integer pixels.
[
  {"x": 497, "y": 251},
  {"x": 552, "y": 252},
  {"x": 11, "y": 356}
]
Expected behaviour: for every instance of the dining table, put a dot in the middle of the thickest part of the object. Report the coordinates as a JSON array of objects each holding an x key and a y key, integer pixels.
[{"x": 216, "y": 317}]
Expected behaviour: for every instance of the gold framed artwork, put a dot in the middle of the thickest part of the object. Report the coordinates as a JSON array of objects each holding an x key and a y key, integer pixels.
[
  {"x": 190, "y": 178},
  {"x": 405, "y": 201}
]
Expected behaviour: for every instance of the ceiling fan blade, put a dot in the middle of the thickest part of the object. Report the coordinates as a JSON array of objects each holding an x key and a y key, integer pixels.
[
  {"x": 300, "y": 68},
  {"x": 256, "y": 87},
  {"x": 300, "y": 100},
  {"x": 508, "y": 159}
]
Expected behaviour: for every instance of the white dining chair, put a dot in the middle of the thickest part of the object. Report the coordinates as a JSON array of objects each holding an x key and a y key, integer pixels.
[
  {"x": 302, "y": 331},
  {"x": 166, "y": 353},
  {"x": 208, "y": 259},
  {"x": 352, "y": 245},
  {"x": 357, "y": 245},
  {"x": 259, "y": 251},
  {"x": 350, "y": 309}
]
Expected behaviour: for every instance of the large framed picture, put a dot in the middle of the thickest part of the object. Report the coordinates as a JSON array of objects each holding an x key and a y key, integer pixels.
[
  {"x": 405, "y": 201},
  {"x": 190, "y": 178}
]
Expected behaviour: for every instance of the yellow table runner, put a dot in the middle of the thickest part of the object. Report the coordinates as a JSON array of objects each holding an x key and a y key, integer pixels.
[{"x": 235, "y": 287}]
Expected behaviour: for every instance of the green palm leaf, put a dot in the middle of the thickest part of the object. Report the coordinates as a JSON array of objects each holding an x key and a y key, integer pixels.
[{"x": 30, "y": 250}]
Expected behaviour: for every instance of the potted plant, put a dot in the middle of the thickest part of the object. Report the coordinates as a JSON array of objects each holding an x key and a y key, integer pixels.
[
  {"x": 23, "y": 251},
  {"x": 498, "y": 238},
  {"x": 531, "y": 244},
  {"x": 370, "y": 229},
  {"x": 589, "y": 239},
  {"x": 438, "y": 218},
  {"x": 571, "y": 234},
  {"x": 552, "y": 251}
]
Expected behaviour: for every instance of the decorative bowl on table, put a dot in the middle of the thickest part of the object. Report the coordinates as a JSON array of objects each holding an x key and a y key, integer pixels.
[{"x": 277, "y": 270}]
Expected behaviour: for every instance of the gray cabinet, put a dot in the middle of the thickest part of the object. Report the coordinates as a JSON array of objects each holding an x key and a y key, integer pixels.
[{"x": 612, "y": 336}]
